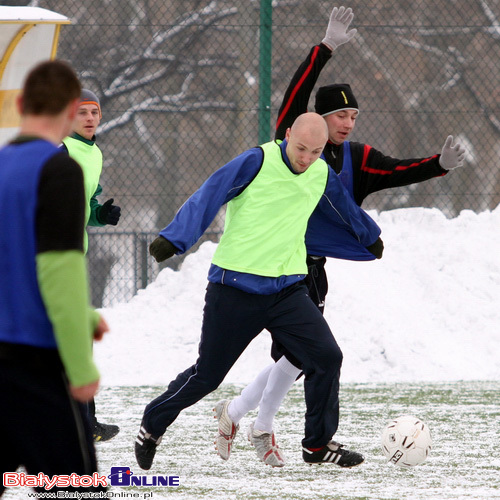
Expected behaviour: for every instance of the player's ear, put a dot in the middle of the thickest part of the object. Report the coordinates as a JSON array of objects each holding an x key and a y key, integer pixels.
[
  {"x": 73, "y": 108},
  {"x": 19, "y": 104}
]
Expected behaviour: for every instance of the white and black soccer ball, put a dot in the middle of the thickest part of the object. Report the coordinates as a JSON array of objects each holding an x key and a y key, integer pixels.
[{"x": 406, "y": 441}]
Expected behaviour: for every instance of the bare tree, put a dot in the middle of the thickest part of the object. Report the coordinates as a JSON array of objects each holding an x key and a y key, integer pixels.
[
  {"x": 179, "y": 83},
  {"x": 153, "y": 98}
]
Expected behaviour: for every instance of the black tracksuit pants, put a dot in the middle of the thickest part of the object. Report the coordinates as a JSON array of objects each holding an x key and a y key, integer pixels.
[
  {"x": 316, "y": 282},
  {"x": 231, "y": 320},
  {"x": 43, "y": 427}
]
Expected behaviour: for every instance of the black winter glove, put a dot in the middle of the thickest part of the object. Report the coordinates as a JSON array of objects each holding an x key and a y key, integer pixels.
[
  {"x": 376, "y": 248},
  {"x": 161, "y": 249},
  {"x": 109, "y": 213}
]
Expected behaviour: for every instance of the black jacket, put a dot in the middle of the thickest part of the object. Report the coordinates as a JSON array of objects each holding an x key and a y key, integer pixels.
[{"x": 372, "y": 170}]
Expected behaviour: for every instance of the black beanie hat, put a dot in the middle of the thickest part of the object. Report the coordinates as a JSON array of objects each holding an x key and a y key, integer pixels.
[{"x": 332, "y": 98}]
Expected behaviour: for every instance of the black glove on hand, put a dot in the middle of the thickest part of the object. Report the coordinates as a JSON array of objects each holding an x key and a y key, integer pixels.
[
  {"x": 376, "y": 248},
  {"x": 161, "y": 249},
  {"x": 109, "y": 213}
]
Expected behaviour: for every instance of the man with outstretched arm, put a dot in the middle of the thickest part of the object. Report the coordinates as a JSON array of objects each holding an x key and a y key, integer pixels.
[
  {"x": 255, "y": 278},
  {"x": 363, "y": 170}
]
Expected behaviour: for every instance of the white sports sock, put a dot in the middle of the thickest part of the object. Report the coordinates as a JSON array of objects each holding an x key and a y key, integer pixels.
[
  {"x": 281, "y": 378},
  {"x": 249, "y": 397}
]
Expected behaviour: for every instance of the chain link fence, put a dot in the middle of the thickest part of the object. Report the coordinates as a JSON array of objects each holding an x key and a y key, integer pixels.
[{"x": 186, "y": 85}]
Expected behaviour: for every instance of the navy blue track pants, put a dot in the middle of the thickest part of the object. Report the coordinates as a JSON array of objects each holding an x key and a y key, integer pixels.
[{"x": 231, "y": 320}]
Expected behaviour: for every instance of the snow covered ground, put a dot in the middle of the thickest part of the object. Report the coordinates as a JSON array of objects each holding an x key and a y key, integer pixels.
[
  {"x": 420, "y": 332},
  {"x": 429, "y": 310}
]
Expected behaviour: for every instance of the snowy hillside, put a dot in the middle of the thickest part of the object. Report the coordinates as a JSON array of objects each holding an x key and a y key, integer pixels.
[{"x": 428, "y": 310}]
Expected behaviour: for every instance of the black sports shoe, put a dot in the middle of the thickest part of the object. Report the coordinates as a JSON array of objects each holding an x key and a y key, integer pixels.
[
  {"x": 145, "y": 448},
  {"x": 104, "y": 432},
  {"x": 333, "y": 453}
]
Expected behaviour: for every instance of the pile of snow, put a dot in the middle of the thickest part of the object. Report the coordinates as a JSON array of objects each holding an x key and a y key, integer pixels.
[{"x": 428, "y": 310}]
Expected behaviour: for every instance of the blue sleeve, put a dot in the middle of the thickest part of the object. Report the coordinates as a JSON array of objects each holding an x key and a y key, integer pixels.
[
  {"x": 339, "y": 227},
  {"x": 198, "y": 212}
]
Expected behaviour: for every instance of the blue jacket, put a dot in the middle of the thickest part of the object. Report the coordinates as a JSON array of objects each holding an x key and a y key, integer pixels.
[
  {"x": 23, "y": 317},
  {"x": 328, "y": 234},
  {"x": 324, "y": 237}
]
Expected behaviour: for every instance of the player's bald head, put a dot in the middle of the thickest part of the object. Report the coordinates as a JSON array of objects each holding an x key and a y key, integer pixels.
[
  {"x": 306, "y": 139},
  {"x": 310, "y": 126}
]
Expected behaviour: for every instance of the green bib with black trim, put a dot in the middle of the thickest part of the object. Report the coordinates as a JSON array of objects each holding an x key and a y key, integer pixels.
[{"x": 89, "y": 157}]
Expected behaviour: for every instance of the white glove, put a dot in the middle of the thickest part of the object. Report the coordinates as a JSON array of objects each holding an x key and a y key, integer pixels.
[
  {"x": 336, "y": 33},
  {"x": 452, "y": 156}
]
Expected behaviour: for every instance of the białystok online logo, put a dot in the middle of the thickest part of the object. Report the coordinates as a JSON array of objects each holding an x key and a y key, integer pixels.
[
  {"x": 119, "y": 476},
  {"x": 123, "y": 476}
]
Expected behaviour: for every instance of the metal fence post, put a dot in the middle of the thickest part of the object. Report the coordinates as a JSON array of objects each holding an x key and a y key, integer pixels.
[{"x": 265, "y": 53}]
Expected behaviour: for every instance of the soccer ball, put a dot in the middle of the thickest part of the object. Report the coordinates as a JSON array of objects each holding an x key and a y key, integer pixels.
[{"x": 406, "y": 441}]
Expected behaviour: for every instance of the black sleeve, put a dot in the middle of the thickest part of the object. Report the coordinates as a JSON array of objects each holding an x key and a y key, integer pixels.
[
  {"x": 373, "y": 171},
  {"x": 299, "y": 90},
  {"x": 61, "y": 205}
]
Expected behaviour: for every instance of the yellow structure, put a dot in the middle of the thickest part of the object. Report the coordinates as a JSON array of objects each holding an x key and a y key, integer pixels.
[{"x": 28, "y": 35}]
